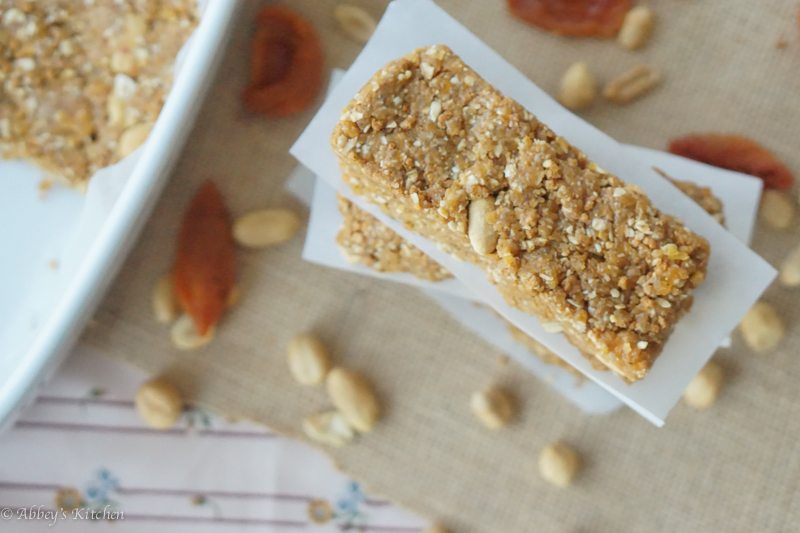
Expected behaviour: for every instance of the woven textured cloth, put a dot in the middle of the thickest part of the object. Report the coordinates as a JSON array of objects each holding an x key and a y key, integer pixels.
[{"x": 732, "y": 468}]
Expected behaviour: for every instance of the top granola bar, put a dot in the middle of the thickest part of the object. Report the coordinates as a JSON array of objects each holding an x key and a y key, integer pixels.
[{"x": 456, "y": 161}]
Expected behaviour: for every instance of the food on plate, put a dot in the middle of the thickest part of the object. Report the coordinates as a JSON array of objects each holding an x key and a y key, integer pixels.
[
  {"x": 735, "y": 152},
  {"x": 573, "y": 18},
  {"x": 637, "y": 28},
  {"x": 286, "y": 63},
  {"x": 574, "y": 245},
  {"x": 84, "y": 81},
  {"x": 205, "y": 262},
  {"x": 632, "y": 84},
  {"x": 578, "y": 87}
]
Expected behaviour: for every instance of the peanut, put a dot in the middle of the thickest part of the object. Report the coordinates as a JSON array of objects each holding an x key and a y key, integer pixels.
[
  {"x": 355, "y": 22},
  {"x": 777, "y": 209},
  {"x": 354, "y": 397},
  {"x": 481, "y": 233},
  {"x": 762, "y": 328},
  {"x": 132, "y": 138},
  {"x": 159, "y": 403},
  {"x": 790, "y": 269},
  {"x": 578, "y": 87},
  {"x": 559, "y": 464},
  {"x": 636, "y": 28},
  {"x": 165, "y": 305},
  {"x": 703, "y": 390},
  {"x": 494, "y": 407},
  {"x": 329, "y": 428},
  {"x": 265, "y": 227},
  {"x": 308, "y": 359},
  {"x": 185, "y": 336},
  {"x": 632, "y": 84}
]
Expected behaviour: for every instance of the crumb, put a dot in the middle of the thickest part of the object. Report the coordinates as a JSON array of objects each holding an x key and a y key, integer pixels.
[
  {"x": 44, "y": 187},
  {"x": 502, "y": 360},
  {"x": 53, "y": 264},
  {"x": 781, "y": 43}
]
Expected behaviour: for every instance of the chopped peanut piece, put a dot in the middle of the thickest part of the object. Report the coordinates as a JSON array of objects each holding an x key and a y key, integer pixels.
[{"x": 482, "y": 235}]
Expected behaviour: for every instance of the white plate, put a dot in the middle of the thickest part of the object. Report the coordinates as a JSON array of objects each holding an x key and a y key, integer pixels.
[{"x": 43, "y": 309}]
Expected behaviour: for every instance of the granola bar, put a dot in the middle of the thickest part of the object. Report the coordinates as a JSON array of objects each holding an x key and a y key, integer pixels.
[
  {"x": 83, "y": 81},
  {"x": 366, "y": 240},
  {"x": 703, "y": 197},
  {"x": 449, "y": 156}
]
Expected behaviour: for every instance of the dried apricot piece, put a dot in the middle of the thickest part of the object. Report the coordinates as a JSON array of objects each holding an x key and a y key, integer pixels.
[
  {"x": 205, "y": 263},
  {"x": 573, "y": 18},
  {"x": 735, "y": 152},
  {"x": 286, "y": 65}
]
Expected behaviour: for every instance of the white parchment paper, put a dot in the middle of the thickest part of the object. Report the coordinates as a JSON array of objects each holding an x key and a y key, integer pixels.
[{"x": 736, "y": 276}]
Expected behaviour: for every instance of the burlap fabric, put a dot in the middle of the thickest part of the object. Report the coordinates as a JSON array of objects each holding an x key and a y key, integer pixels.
[{"x": 733, "y": 468}]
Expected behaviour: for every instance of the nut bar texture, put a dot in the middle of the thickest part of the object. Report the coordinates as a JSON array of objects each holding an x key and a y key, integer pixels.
[
  {"x": 703, "y": 196},
  {"x": 365, "y": 239},
  {"x": 449, "y": 156}
]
